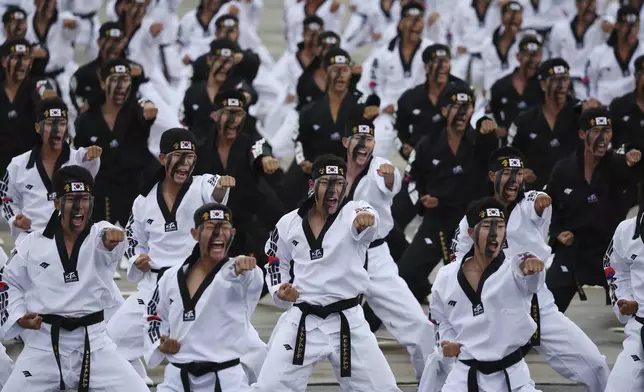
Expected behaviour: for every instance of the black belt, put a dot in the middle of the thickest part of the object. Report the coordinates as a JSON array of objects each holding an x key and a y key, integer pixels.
[
  {"x": 55, "y": 73},
  {"x": 490, "y": 367},
  {"x": 641, "y": 321},
  {"x": 159, "y": 272},
  {"x": 70, "y": 324},
  {"x": 199, "y": 369},
  {"x": 376, "y": 243},
  {"x": 86, "y": 16},
  {"x": 345, "y": 331}
]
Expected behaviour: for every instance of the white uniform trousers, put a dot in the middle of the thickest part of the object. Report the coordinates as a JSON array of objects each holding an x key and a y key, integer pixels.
[
  {"x": 36, "y": 370},
  {"x": 518, "y": 374},
  {"x": 390, "y": 298},
  {"x": 88, "y": 34},
  {"x": 370, "y": 371},
  {"x": 127, "y": 328},
  {"x": 231, "y": 380},
  {"x": 6, "y": 366},
  {"x": 628, "y": 372},
  {"x": 570, "y": 352}
]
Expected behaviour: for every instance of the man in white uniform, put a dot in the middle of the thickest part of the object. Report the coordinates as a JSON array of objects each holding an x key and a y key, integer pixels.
[
  {"x": 376, "y": 181},
  {"x": 625, "y": 273},
  {"x": 158, "y": 232},
  {"x": 26, "y": 189},
  {"x": 561, "y": 343},
  {"x": 480, "y": 303},
  {"x": 209, "y": 297},
  {"x": 326, "y": 240},
  {"x": 55, "y": 284}
]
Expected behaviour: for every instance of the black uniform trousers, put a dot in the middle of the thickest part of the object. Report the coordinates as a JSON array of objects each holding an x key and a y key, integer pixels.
[
  {"x": 295, "y": 187},
  {"x": 576, "y": 265}
]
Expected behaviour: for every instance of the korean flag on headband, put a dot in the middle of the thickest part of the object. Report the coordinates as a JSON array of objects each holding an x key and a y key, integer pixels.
[
  {"x": 461, "y": 97},
  {"x": 331, "y": 170},
  {"x": 601, "y": 121},
  {"x": 363, "y": 129},
  {"x": 78, "y": 187},
  {"x": 493, "y": 212},
  {"x": 54, "y": 113},
  {"x": 186, "y": 145},
  {"x": 216, "y": 214},
  {"x": 120, "y": 69},
  {"x": 559, "y": 69},
  {"x": 515, "y": 162}
]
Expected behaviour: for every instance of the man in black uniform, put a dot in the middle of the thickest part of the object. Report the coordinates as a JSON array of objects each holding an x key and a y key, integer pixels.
[
  {"x": 322, "y": 122},
  {"x": 546, "y": 133},
  {"x": 121, "y": 127},
  {"x": 246, "y": 67},
  {"x": 198, "y": 103},
  {"x": 449, "y": 169},
  {"x": 520, "y": 90},
  {"x": 312, "y": 84},
  {"x": 20, "y": 95},
  {"x": 85, "y": 85},
  {"x": 229, "y": 152},
  {"x": 586, "y": 189}
]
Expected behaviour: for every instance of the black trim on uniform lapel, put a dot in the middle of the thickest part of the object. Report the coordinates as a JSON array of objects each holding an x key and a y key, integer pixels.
[
  {"x": 495, "y": 41},
  {"x": 43, "y": 40},
  {"x": 316, "y": 243},
  {"x": 70, "y": 262},
  {"x": 475, "y": 296},
  {"x": 407, "y": 66},
  {"x": 190, "y": 304},
  {"x": 623, "y": 65},
  {"x": 359, "y": 177},
  {"x": 579, "y": 40},
  {"x": 481, "y": 17},
  {"x": 170, "y": 216},
  {"x": 62, "y": 158}
]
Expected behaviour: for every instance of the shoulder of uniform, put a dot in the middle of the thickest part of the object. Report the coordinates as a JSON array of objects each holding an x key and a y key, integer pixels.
[
  {"x": 307, "y": 108},
  {"x": 21, "y": 159}
]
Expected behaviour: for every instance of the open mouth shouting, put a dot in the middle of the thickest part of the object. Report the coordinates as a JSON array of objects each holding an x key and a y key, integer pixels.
[
  {"x": 332, "y": 203},
  {"x": 600, "y": 148},
  {"x": 362, "y": 153},
  {"x": 181, "y": 174},
  {"x": 77, "y": 220},
  {"x": 511, "y": 191},
  {"x": 492, "y": 246},
  {"x": 216, "y": 245}
]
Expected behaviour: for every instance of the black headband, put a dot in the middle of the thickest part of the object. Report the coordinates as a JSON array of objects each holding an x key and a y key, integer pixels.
[{"x": 506, "y": 163}]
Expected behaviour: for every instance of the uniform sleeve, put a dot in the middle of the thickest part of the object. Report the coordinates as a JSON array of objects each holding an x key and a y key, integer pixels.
[
  {"x": 462, "y": 242},
  {"x": 76, "y": 94},
  {"x": 278, "y": 269},
  {"x": 77, "y": 158},
  {"x": 528, "y": 284},
  {"x": 416, "y": 170},
  {"x": 70, "y": 35},
  {"x": 618, "y": 273},
  {"x": 81, "y": 139},
  {"x": 186, "y": 114},
  {"x": 108, "y": 257},
  {"x": 12, "y": 301},
  {"x": 368, "y": 234},
  {"x": 554, "y": 43},
  {"x": 437, "y": 306},
  {"x": 208, "y": 188},
  {"x": 528, "y": 209},
  {"x": 379, "y": 78},
  {"x": 259, "y": 150},
  {"x": 592, "y": 74},
  {"x": 137, "y": 239},
  {"x": 11, "y": 199},
  {"x": 513, "y": 136},
  {"x": 554, "y": 189},
  {"x": 156, "y": 324},
  {"x": 404, "y": 119},
  {"x": 249, "y": 285}
]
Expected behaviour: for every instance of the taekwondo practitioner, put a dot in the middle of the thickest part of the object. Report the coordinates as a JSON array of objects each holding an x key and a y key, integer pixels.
[
  {"x": 55, "y": 285},
  {"x": 26, "y": 189},
  {"x": 158, "y": 232},
  {"x": 484, "y": 295},
  {"x": 625, "y": 273},
  {"x": 610, "y": 66},
  {"x": 208, "y": 293},
  {"x": 326, "y": 241},
  {"x": 55, "y": 31},
  {"x": 376, "y": 181},
  {"x": 331, "y": 12},
  {"x": 561, "y": 343},
  {"x": 86, "y": 13},
  {"x": 6, "y": 363},
  {"x": 14, "y": 22}
]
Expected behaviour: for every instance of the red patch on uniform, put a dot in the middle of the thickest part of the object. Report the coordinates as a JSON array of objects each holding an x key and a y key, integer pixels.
[
  {"x": 272, "y": 260},
  {"x": 154, "y": 318},
  {"x": 585, "y": 81},
  {"x": 3, "y": 287},
  {"x": 6, "y": 199},
  {"x": 433, "y": 321},
  {"x": 610, "y": 272},
  {"x": 372, "y": 84},
  {"x": 407, "y": 179}
]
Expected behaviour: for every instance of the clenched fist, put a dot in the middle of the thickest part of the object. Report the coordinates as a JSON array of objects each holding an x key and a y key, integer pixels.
[
  {"x": 150, "y": 111},
  {"x": 364, "y": 220},
  {"x": 169, "y": 346},
  {"x": 487, "y": 126},
  {"x": 238, "y": 57},
  {"x": 243, "y": 264},
  {"x": 22, "y": 222},
  {"x": 136, "y": 70},
  {"x": 566, "y": 238},
  {"x": 450, "y": 349},
  {"x": 429, "y": 201},
  {"x": 156, "y": 29},
  {"x": 632, "y": 157},
  {"x": 627, "y": 307},
  {"x": 543, "y": 201},
  {"x": 30, "y": 321},
  {"x": 433, "y": 18},
  {"x": 531, "y": 266},
  {"x": 371, "y": 112},
  {"x": 388, "y": 172},
  {"x": 306, "y": 166},
  {"x": 233, "y": 10},
  {"x": 529, "y": 176},
  {"x": 112, "y": 237},
  {"x": 143, "y": 262},
  {"x": 590, "y": 103},
  {"x": 226, "y": 182},
  {"x": 70, "y": 23},
  {"x": 270, "y": 165},
  {"x": 92, "y": 153},
  {"x": 287, "y": 292}
]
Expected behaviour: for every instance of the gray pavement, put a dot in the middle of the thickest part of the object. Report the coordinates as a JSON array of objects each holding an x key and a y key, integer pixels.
[{"x": 592, "y": 316}]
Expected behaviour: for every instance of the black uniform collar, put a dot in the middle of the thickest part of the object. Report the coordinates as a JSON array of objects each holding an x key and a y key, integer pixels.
[
  {"x": 54, "y": 226},
  {"x": 34, "y": 156},
  {"x": 43, "y": 39},
  {"x": 309, "y": 203},
  {"x": 475, "y": 295},
  {"x": 360, "y": 176}
]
